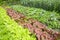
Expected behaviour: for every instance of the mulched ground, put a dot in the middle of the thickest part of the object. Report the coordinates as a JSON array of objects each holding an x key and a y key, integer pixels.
[{"x": 35, "y": 27}]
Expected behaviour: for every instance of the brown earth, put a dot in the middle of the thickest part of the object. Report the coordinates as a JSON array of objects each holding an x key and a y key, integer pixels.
[{"x": 35, "y": 27}]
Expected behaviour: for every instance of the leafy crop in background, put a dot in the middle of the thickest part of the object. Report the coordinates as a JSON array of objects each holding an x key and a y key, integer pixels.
[
  {"x": 51, "y": 19},
  {"x": 45, "y": 4},
  {"x": 10, "y": 30}
]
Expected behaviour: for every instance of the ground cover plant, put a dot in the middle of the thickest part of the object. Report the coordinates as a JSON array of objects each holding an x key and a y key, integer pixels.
[
  {"x": 51, "y": 19},
  {"x": 10, "y": 30}
]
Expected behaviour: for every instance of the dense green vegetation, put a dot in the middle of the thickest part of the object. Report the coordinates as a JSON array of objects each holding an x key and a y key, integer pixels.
[
  {"x": 10, "y": 30},
  {"x": 45, "y": 4},
  {"x": 9, "y": 2},
  {"x": 52, "y": 5},
  {"x": 51, "y": 19}
]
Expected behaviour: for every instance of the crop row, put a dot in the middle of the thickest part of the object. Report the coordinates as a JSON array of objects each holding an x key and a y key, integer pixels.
[{"x": 51, "y": 19}]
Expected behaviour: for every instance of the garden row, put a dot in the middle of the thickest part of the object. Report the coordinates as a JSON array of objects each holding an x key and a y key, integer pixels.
[{"x": 51, "y": 19}]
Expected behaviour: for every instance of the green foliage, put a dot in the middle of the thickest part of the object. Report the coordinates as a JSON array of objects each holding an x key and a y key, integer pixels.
[
  {"x": 45, "y": 4},
  {"x": 51, "y": 19},
  {"x": 10, "y": 30},
  {"x": 9, "y": 2}
]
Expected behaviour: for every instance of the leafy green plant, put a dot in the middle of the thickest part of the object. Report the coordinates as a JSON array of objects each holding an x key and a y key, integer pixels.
[
  {"x": 10, "y": 30},
  {"x": 46, "y": 17}
]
